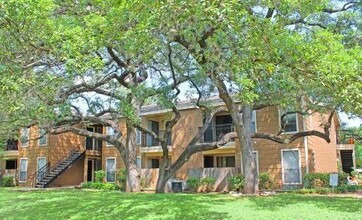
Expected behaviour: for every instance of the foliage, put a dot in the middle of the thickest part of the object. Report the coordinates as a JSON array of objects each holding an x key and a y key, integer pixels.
[
  {"x": 193, "y": 183},
  {"x": 8, "y": 181},
  {"x": 122, "y": 178},
  {"x": 101, "y": 186},
  {"x": 172, "y": 206},
  {"x": 266, "y": 181},
  {"x": 99, "y": 176},
  {"x": 207, "y": 183},
  {"x": 316, "y": 180},
  {"x": 236, "y": 182},
  {"x": 342, "y": 178}
]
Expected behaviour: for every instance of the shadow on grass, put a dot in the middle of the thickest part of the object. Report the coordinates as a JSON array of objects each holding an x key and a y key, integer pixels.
[
  {"x": 73, "y": 204},
  {"x": 274, "y": 203}
]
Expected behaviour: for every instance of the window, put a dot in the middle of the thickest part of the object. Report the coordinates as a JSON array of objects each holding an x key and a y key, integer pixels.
[
  {"x": 110, "y": 131},
  {"x": 24, "y": 137},
  {"x": 138, "y": 162},
  {"x": 139, "y": 136},
  {"x": 289, "y": 123},
  {"x": 155, "y": 163},
  {"x": 225, "y": 161},
  {"x": 291, "y": 168},
  {"x": 208, "y": 161},
  {"x": 111, "y": 169},
  {"x": 23, "y": 170},
  {"x": 42, "y": 137},
  {"x": 256, "y": 157},
  {"x": 41, "y": 167},
  {"x": 11, "y": 164},
  {"x": 253, "y": 122}
]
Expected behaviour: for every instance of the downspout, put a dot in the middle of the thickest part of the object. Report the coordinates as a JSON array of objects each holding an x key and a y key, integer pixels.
[{"x": 305, "y": 139}]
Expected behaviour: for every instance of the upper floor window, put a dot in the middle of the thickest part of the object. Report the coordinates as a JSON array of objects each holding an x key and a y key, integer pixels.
[
  {"x": 110, "y": 132},
  {"x": 42, "y": 137},
  {"x": 253, "y": 122},
  {"x": 289, "y": 122},
  {"x": 24, "y": 137},
  {"x": 139, "y": 136}
]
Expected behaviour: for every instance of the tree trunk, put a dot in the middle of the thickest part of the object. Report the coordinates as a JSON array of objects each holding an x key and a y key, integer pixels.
[
  {"x": 162, "y": 171},
  {"x": 133, "y": 173}
]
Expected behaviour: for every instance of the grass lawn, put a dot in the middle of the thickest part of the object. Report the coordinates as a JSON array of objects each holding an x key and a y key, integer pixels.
[{"x": 77, "y": 204}]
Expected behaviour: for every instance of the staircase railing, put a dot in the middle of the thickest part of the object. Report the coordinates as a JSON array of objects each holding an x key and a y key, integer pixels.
[{"x": 47, "y": 169}]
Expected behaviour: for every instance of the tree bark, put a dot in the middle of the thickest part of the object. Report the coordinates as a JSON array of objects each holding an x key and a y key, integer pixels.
[{"x": 133, "y": 173}]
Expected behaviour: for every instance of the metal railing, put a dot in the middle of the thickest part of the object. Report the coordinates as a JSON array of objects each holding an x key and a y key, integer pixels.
[
  {"x": 41, "y": 173},
  {"x": 216, "y": 132},
  {"x": 345, "y": 136},
  {"x": 148, "y": 141}
]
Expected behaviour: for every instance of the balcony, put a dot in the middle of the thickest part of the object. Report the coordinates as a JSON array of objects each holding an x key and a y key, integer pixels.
[
  {"x": 216, "y": 132},
  {"x": 345, "y": 139},
  {"x": 11, "y": 149},
  {"x": 150, "y": 144}
]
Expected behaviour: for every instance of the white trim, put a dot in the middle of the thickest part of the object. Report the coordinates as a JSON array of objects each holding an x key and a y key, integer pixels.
[
  {"x": 253, "y": 116},
  {"x": 257, "y": 161},
  {"x": 109, "y": 144},
  {"x": 26, "y": 170},
  {"x": 296, "y": 123},
  {"x": 46, "y": 138},
  {"x": 300, "y": 166},
  {"x": 115, "y": 171},
  {"x": 28, "y": 138},
  {"x": 140, "y": 162}
]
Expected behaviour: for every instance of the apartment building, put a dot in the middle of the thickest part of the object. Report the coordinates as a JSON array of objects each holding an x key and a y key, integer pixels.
[{"x": 68, "y": 159}]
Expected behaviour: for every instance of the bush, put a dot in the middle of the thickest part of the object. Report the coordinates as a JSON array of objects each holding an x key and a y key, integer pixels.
[
  {"x": 266, "y": 181},
  {"x": 193, "y": 183},
  {"x": 316, "y": 180},
  {"x": 236, "y": 183},
  {"x": 342, "y": 178},
  {"x": 122, "y": 179},
  {"x": 208, "y": 183},
  {"x": 7, "y": 181},
  {"x": 99, "y": 176},
  {"x": 100, "y": 186}
]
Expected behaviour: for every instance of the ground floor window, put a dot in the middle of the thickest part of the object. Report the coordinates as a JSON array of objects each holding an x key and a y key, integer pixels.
[
  {"x": 256, "y": 157},
  {"x": 155, "y": 163},
  {"x": 111, "y": 170},
  {"x": 219, "y": 161},
  {"x": 291, "y": 168},
  {"x": 23, "y": 170},
  {"x": 11, "y": 164}
]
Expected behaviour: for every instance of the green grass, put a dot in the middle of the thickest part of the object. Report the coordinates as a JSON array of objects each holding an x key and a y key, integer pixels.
[{"x": 78, "y": 204}]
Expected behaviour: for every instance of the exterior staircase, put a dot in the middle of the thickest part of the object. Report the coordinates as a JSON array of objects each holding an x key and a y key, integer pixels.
[{"x": 47, "y": 174}]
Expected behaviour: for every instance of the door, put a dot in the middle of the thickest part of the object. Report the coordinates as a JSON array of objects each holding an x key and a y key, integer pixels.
[
  {"x": 41, "y": 167},
  {"x": 90, "y": 171},
  {"x": 223, "y": 126},
  {"x": 89, "y": 142},
  {"x": 291, "y": 167},
  {"x": 153, "y": 126}
]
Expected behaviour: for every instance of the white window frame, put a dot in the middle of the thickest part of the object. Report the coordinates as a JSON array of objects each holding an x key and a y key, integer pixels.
[
  {"x": 256, "y": 161},
  {"x": 107, "y": 129},
  {"x": 115, "y": 172},
  {"x": 139, "y": 135},
  {"x": 45, "y": 136},
  {"x": 300, "y": 166},
  {"x": 140, "y": 165},
  {"x": 253, "y": 119},
  {"x": 280, "y": 122},
  {"x": 24, "y": 144},
  {"x": 37, "y": 164},
  {"x": 26, "y": 170}
]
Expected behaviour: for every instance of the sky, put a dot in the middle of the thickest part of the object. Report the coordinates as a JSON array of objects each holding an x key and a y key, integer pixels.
[{"x": 350, "y": 122}]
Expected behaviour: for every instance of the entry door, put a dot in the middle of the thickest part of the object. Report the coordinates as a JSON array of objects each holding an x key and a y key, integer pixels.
[
  {"x": 41, "y": 163},
  {"x": 89, "y": 142},
  {"x": 291, "y": 167}
]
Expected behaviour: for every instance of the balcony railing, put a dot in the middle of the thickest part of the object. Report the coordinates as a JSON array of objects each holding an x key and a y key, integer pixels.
[
  {"x": 345, "y": 136},
  {"x": 216, "y": 132},
  {"x": 148, "y": 141},
  {"x": 12, "y": 145}
]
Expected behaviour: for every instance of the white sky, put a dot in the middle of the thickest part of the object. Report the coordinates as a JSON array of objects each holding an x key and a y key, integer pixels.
[{"x": 351, "y": 122}]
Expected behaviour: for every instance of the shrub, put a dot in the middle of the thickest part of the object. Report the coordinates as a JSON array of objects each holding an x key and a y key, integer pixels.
[
  {"x": 99, "y": 176},
  {"x": 306, "y": 191},
  {"x": 122, "y": 179},
  {"x": 193, "y": 183},
  {"x": 100, "y": 186},
  {"x": 323, "y": 190},
  {"x": 236, "y": 183},
  {"x": 342, "y": 178},
  {"x": 266, "y": 181},
  {"x": 7, "y": 181},
  {"x": 316, "y": 180},
  {"x": 208, "y": 183}
]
